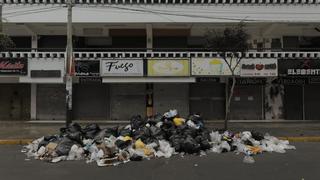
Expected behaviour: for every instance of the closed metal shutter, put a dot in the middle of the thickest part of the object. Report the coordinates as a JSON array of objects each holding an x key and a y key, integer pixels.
[
  {"x": 293, "y": 102},
  {"x": 14, "y": 101},
  {"x": 171, "y": 96},
  {"x": 91, "y": 102},
  {"x": 311, "y": 100},
  {"x": 247, "y": 103},
  {"x": 208, "y": 99},
  {"x": 127, "y": 100},
  {"x": 51, "y": 102}
]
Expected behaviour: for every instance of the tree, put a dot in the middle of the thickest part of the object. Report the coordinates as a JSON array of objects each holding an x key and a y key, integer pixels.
[
  {"x": 231, "y": 44},
  {"x": 6, "y": 43}
]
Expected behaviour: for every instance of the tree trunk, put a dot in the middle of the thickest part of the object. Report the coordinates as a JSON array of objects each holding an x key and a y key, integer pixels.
[{"x": 229, "y": 95}]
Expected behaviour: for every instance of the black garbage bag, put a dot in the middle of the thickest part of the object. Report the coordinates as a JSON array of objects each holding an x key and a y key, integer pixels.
[
  {"x": 205, "y": 145},
  {"x": 125, "y": 132},
  {"x": 197, "y": 119},
  {"x": 47, "y": 139},
  {"x": 155, "y": 131},
  {"x": 168, "y": 129},
  {"x": 75, "y": 136},
  {"x": 257, "y": 136},
  {"x": 64, "y": 146},
  {"x": 205, "y": 133},
  {"x": 107, "y": 132},
  {"x": 190, "y": 146},
  {"x": 247, "y": 142},
  {"x": 190, "y": 132},
  {"x": 91, "y": 130},
  {"x": 176, "y": 142},
  {"x": 203, "y": 141},
  {"x": 137, "y": 122},
  {"x": 122, "y": 144},
  {"x": 155, "y": 119},
  {"x": 73, "y": 127},
  {"x": 73, "y": 132},
  {"x": 140, "y": 134},
  {"x": 135, "y": 157}
]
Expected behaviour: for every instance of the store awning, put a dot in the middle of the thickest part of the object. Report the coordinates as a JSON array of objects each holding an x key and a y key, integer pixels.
[
  {"x": 162, "y": 13},
  {"x": 148, "y": 80}
]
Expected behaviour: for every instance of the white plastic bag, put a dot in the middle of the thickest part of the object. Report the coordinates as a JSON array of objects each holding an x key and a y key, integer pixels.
[
  {"x": 248, "y": 159},
  {"x": 75, "y": 153},
  {"x": 165, "y": 150},
  {"x": 215, "y": 137},
  {"x": 171, "y": 113}
]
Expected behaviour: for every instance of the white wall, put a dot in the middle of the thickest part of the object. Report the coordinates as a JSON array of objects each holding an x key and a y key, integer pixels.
[{"x": 44, "y": 64}]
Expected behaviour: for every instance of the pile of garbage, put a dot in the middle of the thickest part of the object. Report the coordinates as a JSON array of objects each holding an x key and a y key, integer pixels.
[{"x": 158, "y": 136}]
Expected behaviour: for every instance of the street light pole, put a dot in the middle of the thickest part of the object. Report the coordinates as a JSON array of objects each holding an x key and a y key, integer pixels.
[{"x": 69, "y": 66}]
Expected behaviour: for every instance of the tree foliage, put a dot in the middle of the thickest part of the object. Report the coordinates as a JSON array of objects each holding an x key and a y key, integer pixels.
[
  {"x": 233, "y": 39},
  {"x": 6, "y": 43}
]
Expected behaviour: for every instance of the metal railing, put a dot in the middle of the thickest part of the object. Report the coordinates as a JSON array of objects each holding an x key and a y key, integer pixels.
[
  {"x": 107, "y": 2},
  {"x": 157, "y": 54}
]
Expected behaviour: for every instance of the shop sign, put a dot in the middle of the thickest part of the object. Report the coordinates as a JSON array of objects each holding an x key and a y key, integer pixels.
[
  {"x": 299, "y": 67},
  {"x": 259, "y": 67},
  {"x": 45, "y": 73},
  {"x": 168, "y": 67},
  {"x": 208, "y": 79},
  {"x": 13, "y": 66},
  {"x": 87, "y": 68},
  {"x": 251, "y": 81},
  {"x": 90, "y": 80},
  {"x": 122, "y": 67},
  {"x": 212, "y": 67},
  {"x": 314, "y": 80},
  {"x": 291, "y": 81}
]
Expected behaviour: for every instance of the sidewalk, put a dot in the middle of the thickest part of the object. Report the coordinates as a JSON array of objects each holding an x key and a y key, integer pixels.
[{"x": 18, "y": 132}]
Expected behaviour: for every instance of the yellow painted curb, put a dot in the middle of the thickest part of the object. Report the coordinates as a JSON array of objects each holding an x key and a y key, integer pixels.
[
  {"x": 302, "y": 139},
  {"x": 15, "y": 141}
]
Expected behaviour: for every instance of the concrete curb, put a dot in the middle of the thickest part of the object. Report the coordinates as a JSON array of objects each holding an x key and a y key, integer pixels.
[{"x": 290, "y": 139}]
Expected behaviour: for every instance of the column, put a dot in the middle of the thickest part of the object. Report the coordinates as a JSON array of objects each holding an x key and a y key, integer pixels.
[
  {"x": 33, "y": 100},
  {"x": 149, "y": 36}
]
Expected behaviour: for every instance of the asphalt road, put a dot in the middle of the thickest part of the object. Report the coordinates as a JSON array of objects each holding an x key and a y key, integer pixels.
[{"x": 300, "y": 164}]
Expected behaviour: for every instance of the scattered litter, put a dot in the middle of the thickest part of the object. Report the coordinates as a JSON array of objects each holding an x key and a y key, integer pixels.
[
  {"x": 248, "y": 159},
  {"x": 158, "y": 136}
]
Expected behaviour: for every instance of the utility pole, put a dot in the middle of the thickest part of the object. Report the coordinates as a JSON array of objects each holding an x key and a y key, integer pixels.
[
  {"x": 0, "y": 18},
  {"x": 69, "y": 66}
]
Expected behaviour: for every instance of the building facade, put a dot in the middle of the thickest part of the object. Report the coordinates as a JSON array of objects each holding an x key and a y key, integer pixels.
[{"x": 131, "y": 55}]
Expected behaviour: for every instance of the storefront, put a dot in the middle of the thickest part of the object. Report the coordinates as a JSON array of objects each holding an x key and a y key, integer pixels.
[
  {"x": 248, "y": 99},
  {"x": 248, "y": 102},
  {"x": 127, "y": 96},
  {"x": 91, "y": 98},
  {"x": 14, "y": 101},
  {"x": 301, "y": 86},
  {"x": 14, "y": 98},
  {"x": 170, "y": 95},
  {"x": 312, "y": 99}
]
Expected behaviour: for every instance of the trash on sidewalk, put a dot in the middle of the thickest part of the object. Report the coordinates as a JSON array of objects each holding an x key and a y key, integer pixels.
[{"x": 157, "y": 136}]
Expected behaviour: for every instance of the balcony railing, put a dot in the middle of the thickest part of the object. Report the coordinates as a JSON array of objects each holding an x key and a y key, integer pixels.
[
  {"x": 157, "y": 54},
  {"x": 107, "y": 2}
]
